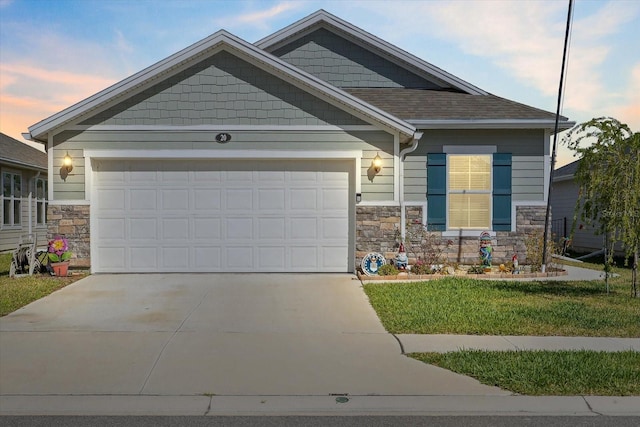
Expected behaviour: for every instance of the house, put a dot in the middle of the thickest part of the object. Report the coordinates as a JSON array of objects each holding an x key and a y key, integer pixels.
[
  {"x": 23, "y": 176},
  {"x": 563, "y": 203},
  {"x": 301, "y": 152}
]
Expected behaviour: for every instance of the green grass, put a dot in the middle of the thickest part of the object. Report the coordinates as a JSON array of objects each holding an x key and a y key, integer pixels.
[
  {"x": 16, "y": 293},
  {"x": 551, "y": 373},
  {"x": 479, "y": 307}
]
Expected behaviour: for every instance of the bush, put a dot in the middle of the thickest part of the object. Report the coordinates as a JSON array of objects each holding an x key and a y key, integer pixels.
[
  {"x": 534, "y": 243},
  {"x": 388, "y": 270},
  {"x": 421, "y": 268}
]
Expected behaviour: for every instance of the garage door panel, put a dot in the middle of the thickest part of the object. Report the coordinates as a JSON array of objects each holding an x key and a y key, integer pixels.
[
  {"x": 222, "y": 216},
  {"x": 207, "y": 228},
  {"x": 112, "y": 258},
  {"x": 111, "y": 228},
  {"x": 143, "y": 199},
  {"x": 271, "y": 199},
  {"x": 237, "y": 258},
  {"x": 303, "y": 258},
  {"x": 207, "y": 199},
  {"x": 239, "y": 199},
  {"x": 304, "y": 199},
  {"x": 334, "y": 228},
  {"x": 111, "y": 199},
  {"x": 144, "y": 258},
  {"x": 175, "y": 199},
  {"x": 239, "y": 228},
  {"x": 175, "y": 257},
  {"x": 271, "y": 228},
  {"x": 142, "y": 228},
  {"x": 175, "y": 228}
]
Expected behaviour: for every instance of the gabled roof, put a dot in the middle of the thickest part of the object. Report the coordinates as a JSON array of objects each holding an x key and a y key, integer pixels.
[
  {"x": 442, "y": 107},
  {"x": 20, "y": 154},
  {"x": 218, "y": 41},
  {"x": 566, "y": 172},
  {"x": 323, "y": 19}
]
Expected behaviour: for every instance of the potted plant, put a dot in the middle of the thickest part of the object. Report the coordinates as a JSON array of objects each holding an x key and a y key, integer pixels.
[{"x": 59, "y": 255}]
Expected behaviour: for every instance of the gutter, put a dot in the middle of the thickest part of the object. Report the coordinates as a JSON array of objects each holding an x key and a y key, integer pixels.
[{"x": 414, "y": 145}]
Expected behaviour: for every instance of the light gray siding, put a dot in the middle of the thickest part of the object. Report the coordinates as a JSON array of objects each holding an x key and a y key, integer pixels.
[
  {"x": 343, "y": 63},
  {"x": 10, "y": 235},
  {"x": 370, "y": 142},
  {"x": 563, "y": 202},
  {"x": 526, "y": 146},
  {"x": 223, "y": 89}
]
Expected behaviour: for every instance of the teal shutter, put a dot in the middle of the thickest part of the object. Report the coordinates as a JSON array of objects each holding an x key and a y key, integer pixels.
[
  {"x": 437, "y": 191},
  {"x": 501, "y": 192}
]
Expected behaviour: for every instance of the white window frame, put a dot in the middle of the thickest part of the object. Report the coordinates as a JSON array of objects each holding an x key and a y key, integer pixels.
[
  {"x": 12, "y": 199},
  {"x": 469, "y": 150},
  {"x": 41, "y": 202}
]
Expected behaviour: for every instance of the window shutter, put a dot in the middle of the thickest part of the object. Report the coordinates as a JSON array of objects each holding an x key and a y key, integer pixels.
[
  {"x": 502, "y": 192},
  {"x": 436, "y": 191}
]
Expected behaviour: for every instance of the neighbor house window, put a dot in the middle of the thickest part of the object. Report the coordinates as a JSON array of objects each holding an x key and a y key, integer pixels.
[
  {"x": 469, "y": 179},
  {"x": 11, "y": 198},
  {"x": 41, "y": 201}
]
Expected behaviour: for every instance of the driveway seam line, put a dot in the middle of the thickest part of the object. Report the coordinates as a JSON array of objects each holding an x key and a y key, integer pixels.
[{"x": 146, "y": 380}]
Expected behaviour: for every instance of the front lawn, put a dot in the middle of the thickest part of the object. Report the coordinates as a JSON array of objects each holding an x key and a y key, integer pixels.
[
  {"x": 16, "y": 293},
  {"x": 479, "y": 307},
  {"x": 550, "y": 373}
]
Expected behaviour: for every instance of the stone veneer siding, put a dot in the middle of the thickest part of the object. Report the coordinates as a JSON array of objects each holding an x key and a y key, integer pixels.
[
  {"x": 376, "y": 232},
  {"x": 72, "y": 222}
]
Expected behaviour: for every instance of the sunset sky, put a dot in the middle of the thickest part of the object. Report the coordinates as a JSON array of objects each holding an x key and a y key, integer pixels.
[{"x": 54, "y": 53}]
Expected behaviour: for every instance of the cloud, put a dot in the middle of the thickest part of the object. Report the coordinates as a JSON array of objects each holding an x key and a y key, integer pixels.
[
  {"x": 628, "y": 111},
  {"x": 259, "y": 19}
]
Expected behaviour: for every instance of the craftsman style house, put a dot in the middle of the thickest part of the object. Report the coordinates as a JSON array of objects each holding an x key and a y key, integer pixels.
[
  {"x": 23, "y": 173},
  {"x": 301, "y": 152}
]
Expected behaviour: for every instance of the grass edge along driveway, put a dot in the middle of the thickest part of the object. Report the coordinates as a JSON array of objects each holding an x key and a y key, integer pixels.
[{"x": 466, "y": 306}]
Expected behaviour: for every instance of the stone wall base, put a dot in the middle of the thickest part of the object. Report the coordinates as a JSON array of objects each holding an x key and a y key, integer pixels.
[
  {"x": 377, "y": 230},
  {"x": 72, "y": 222}
]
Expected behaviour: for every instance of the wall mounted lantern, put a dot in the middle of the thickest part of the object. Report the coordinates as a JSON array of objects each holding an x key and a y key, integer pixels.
[
  {"x": 67, "y": 163},
  {"x": 377, "y": 163}
]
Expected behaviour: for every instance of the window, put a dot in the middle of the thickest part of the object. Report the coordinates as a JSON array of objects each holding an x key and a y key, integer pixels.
[
  {"x": 41, "y": 201},
  {"x": 469, "y": 191},
  {"x": 11, "y": 198}
]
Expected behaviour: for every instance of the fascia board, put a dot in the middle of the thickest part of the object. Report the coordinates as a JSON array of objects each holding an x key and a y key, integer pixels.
[
  {"x": 490, "y": 124},
  {"x": 18, "y": 164},
  {"x": 245, "y": 50},
  {"x": 393, "y": 52}
]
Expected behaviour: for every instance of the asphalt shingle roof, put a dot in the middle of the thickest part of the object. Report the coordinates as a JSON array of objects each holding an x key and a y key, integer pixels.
[
  {"x": 419, "y": 104},
  {"x": 14, "y": 151}
]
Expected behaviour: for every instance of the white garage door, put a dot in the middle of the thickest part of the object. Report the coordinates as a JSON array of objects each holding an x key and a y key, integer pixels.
[{"x": 212, "y": 215}]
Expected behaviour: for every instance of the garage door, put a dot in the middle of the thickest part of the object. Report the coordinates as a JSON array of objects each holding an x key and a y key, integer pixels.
[{"x": 230, "y": 216}]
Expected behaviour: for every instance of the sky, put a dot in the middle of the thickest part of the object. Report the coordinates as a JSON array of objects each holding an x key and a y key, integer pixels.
[{"x": 54, "y": 53}]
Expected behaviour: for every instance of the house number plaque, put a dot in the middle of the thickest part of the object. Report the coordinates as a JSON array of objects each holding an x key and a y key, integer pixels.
[{"x": 223, "y": 138}]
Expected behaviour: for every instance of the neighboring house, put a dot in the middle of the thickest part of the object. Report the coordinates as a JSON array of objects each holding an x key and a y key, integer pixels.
[
  {"x": 23, "y": 176},
  {"x": 231, "y": 156},
  {"x": 563, "y": 202}
]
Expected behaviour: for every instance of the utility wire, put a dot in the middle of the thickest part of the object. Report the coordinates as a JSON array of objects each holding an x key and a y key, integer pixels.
[{"x": 555, "y": 136}]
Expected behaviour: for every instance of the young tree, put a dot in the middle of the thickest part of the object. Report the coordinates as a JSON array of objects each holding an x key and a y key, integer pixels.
[{"x": 608, "y": 177}]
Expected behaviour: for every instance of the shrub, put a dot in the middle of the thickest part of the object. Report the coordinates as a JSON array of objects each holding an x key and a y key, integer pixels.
[
  {"x": 388, "y": 270},
  {"x": 534, "y": 243}
]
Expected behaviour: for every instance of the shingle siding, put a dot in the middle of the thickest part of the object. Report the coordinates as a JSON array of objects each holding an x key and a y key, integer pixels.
[
  {"x": 343, "y": 63},
  {"x": 223, "y": 89}
]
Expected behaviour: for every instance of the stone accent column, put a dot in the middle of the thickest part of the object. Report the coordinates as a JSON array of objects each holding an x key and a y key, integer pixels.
[
  {"x": 72, "y": 222},
  {"x": 377, "y": 228}
]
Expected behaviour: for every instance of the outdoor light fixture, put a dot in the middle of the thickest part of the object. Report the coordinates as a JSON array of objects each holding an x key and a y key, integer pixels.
[
  {"x": 67, "y": 163},
  {"x": 377, "y": 163},
  {"x": 358, "y": 197}
]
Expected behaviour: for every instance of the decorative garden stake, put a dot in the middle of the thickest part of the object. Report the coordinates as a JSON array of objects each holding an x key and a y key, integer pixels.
[
  {"x": 401, "y": 260},
  {"x": 485, "y": 250}
]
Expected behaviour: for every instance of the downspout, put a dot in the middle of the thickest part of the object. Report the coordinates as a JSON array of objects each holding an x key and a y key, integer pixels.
[{"x": 403, "y": 154}]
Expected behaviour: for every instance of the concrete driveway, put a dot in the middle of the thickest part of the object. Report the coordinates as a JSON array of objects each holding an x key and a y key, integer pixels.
[{"x": 222, "y": 334}]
